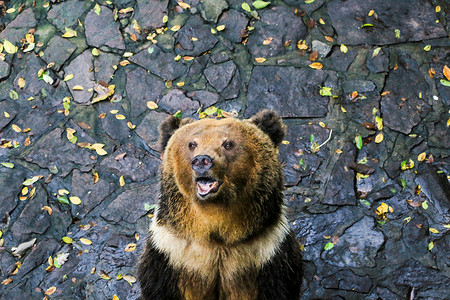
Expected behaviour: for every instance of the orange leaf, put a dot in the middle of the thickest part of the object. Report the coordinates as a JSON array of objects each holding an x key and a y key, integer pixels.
[
  {"x": 130, "y": 247},
  {"x": 50, "y": 290},
  {"x": 316, "y": 65},
  {"x": 446, "y": 72},
  {"x": 260, "y": 59},
  {"x": 431, "y": 72}
]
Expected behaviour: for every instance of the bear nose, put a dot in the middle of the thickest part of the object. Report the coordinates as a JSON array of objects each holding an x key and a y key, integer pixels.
[{"x": 202, "y": 163}]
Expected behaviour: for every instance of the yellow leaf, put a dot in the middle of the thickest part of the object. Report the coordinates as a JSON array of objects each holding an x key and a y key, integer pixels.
[
  {"x": 9, "y": 47},
  {"x": 322, "y": 124},
  {"x": 343, "y": 109},
  {"x": 130, "y": 279},
  {"x": 130, "y": 247},
  {"x": 124, "y": 63},
  {"x": 67, "y": 240},
  {"x": 183, "y": 5},
  {"x": 379, "y": 122},
  {"x": 422, "y": 156},
  {"x": 130, "y": 125},
  {"x": 68, "y": 77},
  {"x": 101, "y": 152},
  {"x": 371, "y": 12},
  {"x": 438, "y": 8},
  {"x": 152, "y": 105},
  {"x": 120, "y": 117},
  {"x": 285, "y": 142},
  {"x": 175, "y": 28},
  {"x": 114, "y": 111},
  {"x": 69, "y": 33},
  {"x": 316, "y": 65},
  {"x": 104, "y": 275},
  {"x": 75, "y": 200},
  {"x": 78, "y": 88},
  {"x": 10, "y": 10},
  {"x": 180, "y": 84},
  {"x": 7, "y": 115},
  {"x": 50, "y": 290},
  {"x": 165, "y": 19},
  {"x": 379, "y": 138},
  {"x": 343, "y": 48},
  {"x": 260, "y": 59},
  {"x": 70, "y": 133},
  {"x": 446, "y": 72},
  {"x": 268, "y": 41},
  {"x": 16, "y": 128},
  {"x": 25, "y": 191},
  {"x": 121, "y": 181},
  {"x": 21, "y": 82},
  {"x": 434, "y": 230},
  {"x": 220, "y": 27},
  {"x": 177, "y": 58},
  {"x": 115, "y": 297},
  {"x": 86, "y": 241},
  {"x": 321, "y": 21}
]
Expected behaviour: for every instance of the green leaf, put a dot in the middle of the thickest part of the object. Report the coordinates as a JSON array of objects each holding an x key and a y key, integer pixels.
[
  {"x": 63, "y": 200},
  {"x": 366, "y": 25},
  {"x": 150, "y": 50},
  {"x": 311, "y": 138},
  {"x": 1, "y": 233},
  {"x": 425, "y": 204},
  {"x": 246, "y": 7},
  {"x": 8, "y": 165},
  {"x": 430, "y": 245},
  {"x": 67, "y": 240},
  {"x": 365, "y": 202},
  {"x": 325, "y": 91},
  {"x": 66, "y": 105},
  {"x": 73, "y": 140},
  {"x": 178, "y": 114},
  {"x": 31, "y": 181},
  {"x": 95, "y": 52},
  {"x": 427, "y": 48},
  {"x": 97, "y": 9},
  {"x": 309, "y": 1},
  {"x": 13, "y": 95},
  {"x": 328, "y": 246},
  {"x": 403, "y": 183},
  {"x": 397, "y": 33},
  {"x": 210, "y": 110},
  {"x": 376, "y": 51},
  {"x": 358, "y": 141},
  {"x": 445, "y": 82},
  {"x": 260, "y": 4}
]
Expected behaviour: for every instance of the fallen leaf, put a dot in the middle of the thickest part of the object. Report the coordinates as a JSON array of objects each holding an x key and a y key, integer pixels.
[
  {"x": 379, "y": 138},
  {"x": 343, "y": 48},
  {"x": 422, "y": 156},
  {"x": 175, "y": 28},
  {"x": 97, "y": 9},
  {"x": 32, "y": 180},
  {"x": 48, "y": 209},
  {"x": 78, "y": 88},
  {"x": 9, "y": 47},
  {"x": 67, "y": 240},
  {"x": 86, "y": 241},
  {"x": 260, "y": 4},
  {"x": 21, "y": 82},
  {"x": 69, "y": 33},
  {"x": 50, "y": 291},
  {"x": 246, "y": 7},
  {"x": 121, "y": 181},
  {"x": 220, "y": 27},
  {"x": 260, "y": 59},
  {"x": 7, "y": 281},
  {"x": 433, "y": 230},
  {"x": 268, "y": 41},
  {"x": 316, "y": 65},
  {"x": 75, "y": 200},
  {"x": 103, "y": 275},
  {"x": 328, "y": 246},
  {"x": 16, "y": 128},
  {"x": 130, "y": 247},
  {"x": 446, "y": 72},
  {"x": 17, "y": 251}
]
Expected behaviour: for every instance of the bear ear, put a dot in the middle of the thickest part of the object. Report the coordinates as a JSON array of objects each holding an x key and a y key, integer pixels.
[
  {"x": 269, "y": 122},
  {"x": 168, "y": 127}
]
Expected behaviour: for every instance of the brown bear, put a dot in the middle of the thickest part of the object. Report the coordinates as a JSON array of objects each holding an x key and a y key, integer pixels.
[{"x": 220, "y": 229}]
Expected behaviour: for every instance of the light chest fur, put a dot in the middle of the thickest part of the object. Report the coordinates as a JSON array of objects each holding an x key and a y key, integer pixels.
[{"x": 206, "y": 268}]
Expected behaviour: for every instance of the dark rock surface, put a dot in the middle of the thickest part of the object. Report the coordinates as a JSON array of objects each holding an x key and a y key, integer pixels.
[{"x": 372, "y": 224}]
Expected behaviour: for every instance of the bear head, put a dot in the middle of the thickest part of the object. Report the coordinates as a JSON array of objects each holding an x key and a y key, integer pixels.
[{"x": 229, "y": 166}]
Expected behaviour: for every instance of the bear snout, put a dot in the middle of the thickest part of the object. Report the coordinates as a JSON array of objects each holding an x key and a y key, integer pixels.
[{"x": 202, "y": 163}]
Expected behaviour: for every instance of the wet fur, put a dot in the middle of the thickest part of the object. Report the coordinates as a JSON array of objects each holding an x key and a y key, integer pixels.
[{"x": 237, "y": 245}]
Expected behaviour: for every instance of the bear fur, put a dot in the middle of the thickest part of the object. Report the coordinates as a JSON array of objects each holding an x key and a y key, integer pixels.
[{"x": 220, "y": 229}]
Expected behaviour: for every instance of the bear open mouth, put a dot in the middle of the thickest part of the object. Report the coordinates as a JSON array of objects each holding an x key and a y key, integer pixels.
[{"x": 206, "y": 186}]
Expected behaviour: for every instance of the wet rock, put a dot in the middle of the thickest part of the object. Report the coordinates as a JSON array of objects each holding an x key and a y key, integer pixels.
[
  {"x": 175, "y": 101},
  {"x": 307, "y": 7},
  {"x": 340, "y": 186},
  {"x": 67, "y": 13},
  {"x": 4, "y": 69},
  {"x": 11, "y": 183},
  {"x": 219, "y": 76},
  {"x": 81, "y": 68},
  {"x": 103, "y": 66},
  {"x": 361, "y": 86},
  {"x": 436, "y": 130},
  {"x": 402, "y": 108},
  {"x": 17, "y": 29},
  {"x": 235, "y": 25},
  {"x": 279, "y": 23},
  {"x": 212, "y": 9},
  {"x": 194, "y": 27},
  {"x": 322, "y": 48},
  {"x": 148, "y": 129},
  {"x": 11, "y": 108},
  {"x": 92, "y": 194},
  {"x": 149, "y": 13},
  {"x": 378, "y": 63},
  {"x": 134, "y": 164},
  {"x": 415, "y": 22},
  {"x": 33, "y": 85},
  {"x": 160, "y": 63},
  {"x": 347, "y": 280},
  {"x": 129, "y": 206},
  {"x": 297, "y": 158},
  {"x": 141, "y": 88},
  {"x": 292, "y": 92},
  {"x": 206, "y": 98},
  {"x": 414, "y": 274},
  {"x": 342, "y": 61},
  {"x": 102, "y": 30},
  {"x": 68, "y": 156},
  {"x": 116, "y": 128},
  {"x": 58, "y": 51},
  {"x": 32, "y": 221},
  {"x": 357, "y": 247}
]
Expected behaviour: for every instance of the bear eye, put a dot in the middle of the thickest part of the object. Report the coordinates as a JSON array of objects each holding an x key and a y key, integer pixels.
[
  {"x": 192, "y": 145},
  {"x": 228, "y": 145}
]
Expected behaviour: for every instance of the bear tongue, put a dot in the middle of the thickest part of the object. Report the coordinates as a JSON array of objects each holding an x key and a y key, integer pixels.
[{"x": 204, "y": 188}]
